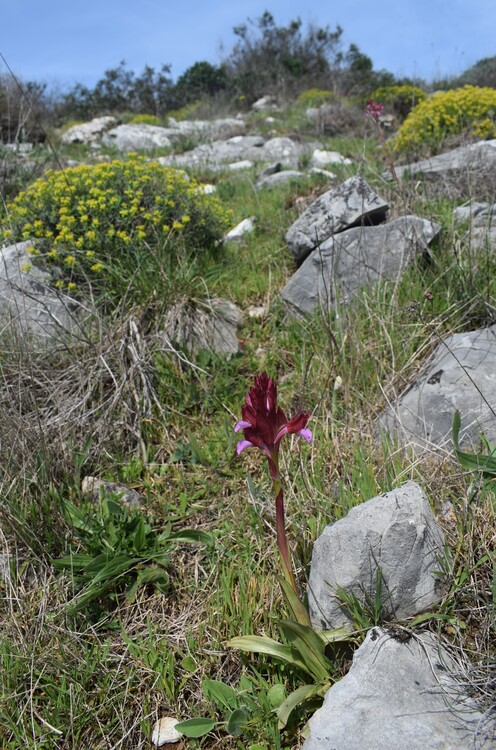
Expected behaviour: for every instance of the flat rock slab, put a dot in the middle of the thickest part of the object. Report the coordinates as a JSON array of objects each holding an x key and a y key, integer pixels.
[
  {"x": 357, "y": 258},
  {"x": 461, "y": 374},
  {"x": 398, "y": 695},
  {"x": 29, "y": 304},
  {"x": 251, "y": 148},
  {"x": 476, "y": 156},
  {"x": 349, "y": 204},
  {"x": 279, "y": 178},
  {"x": 395, "y": 533}
]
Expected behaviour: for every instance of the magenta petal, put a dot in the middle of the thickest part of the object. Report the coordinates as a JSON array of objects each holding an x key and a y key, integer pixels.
[
  {"x": 242, "y": 445},
  {"x": 306, "y": 434},
  {"x": 241, "y": 425}
]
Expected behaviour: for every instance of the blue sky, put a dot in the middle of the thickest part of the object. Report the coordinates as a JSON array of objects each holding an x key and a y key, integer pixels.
[{"x": 64, "y": 41}]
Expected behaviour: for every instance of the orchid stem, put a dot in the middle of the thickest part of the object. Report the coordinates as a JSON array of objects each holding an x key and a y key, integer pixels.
[{"x": 282, "y": 540}]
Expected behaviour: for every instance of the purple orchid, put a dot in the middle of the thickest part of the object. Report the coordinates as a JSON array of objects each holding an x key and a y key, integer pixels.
[{"x": 264, "y": 424}]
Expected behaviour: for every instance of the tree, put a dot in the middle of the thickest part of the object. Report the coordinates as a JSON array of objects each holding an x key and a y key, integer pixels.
[
  {"x": 282, "y": 60},
  {"x": 201, "y": 79}
]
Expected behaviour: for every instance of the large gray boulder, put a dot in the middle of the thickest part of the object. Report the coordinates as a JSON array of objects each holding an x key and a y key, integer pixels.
[
  {"x": 401, "y": 693},
  {"x": 461, "y": 374},
  {"x": 140, "y": 137},
  {"x": 350, "y": 204},
  {"x": 395, "y": 533},
  {"x": 474, "y": 157},
  {"x": 29, "y": 304},
  {"x": 357, "y": 258},
  {"x": 89, "y": 132}
]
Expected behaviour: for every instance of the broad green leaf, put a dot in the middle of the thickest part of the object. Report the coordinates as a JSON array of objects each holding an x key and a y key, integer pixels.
[
  {"x": 294, "y": 699},
  {"x": 139, "y": 535},
  {"x": 73, "y": 562},
  {"x": 339, "y": 634},
  {"x": 276, "y": 695},
  {"x": 260, "y": 644},
  {"x": 189, "y": 664},
  {"x": 116, "y": 567},
  {"x": 195, "y": 727},
  {"x": 472, "y": 461},
  {"x": 220, "y": 693},
  {"x": 236, "y": 722},
  {"x": 192, "y": 535},
  {"x": 310, "y": 647}
]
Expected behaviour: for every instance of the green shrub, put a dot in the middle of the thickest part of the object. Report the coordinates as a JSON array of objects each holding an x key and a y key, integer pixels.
[
  {"x": 145, "y": 120},
  {"x": 184, "y": 113},
  {"x": 469, "y": 110},
  {"x": 401, "y": 99},
  {"x": 115, "y": 224},
  {"x": 314, "y": 97}
]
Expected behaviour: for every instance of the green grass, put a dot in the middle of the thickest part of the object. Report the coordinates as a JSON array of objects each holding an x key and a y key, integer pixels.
[{"x": 70, "y": 680}]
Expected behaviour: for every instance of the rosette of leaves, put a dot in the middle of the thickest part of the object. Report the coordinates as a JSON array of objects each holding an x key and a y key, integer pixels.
[{"x": 115, "y": 550}]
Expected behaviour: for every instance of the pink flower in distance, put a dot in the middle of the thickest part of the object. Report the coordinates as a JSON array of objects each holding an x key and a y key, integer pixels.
[
  {"x": 264, "y": 423},
  {"x": 374, "y": 110}
]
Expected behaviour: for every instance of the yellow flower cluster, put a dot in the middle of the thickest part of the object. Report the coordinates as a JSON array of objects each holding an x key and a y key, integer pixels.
[
  {"x": 85, "y": 218},
  {"x": 470, "y": 110}
]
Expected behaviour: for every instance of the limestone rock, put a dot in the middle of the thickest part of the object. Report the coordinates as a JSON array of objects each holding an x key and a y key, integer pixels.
[
  {"x": 474, "y": 157},
  {"x": 240, "y": 230},
  {"x": 324, "y": 158},
  {"x": 29, "y": 303},
  {"x": 91, "y": 487},
  {"x": 349, "y": 204},
  {"x": 164, "y": 731},
  {"x": 140, "y": 137},
  {"x": 264, "y": 104},
  {"x": 253, "y": 148},
  {"x": 395, "y": 533},
  {"x": 89, "y": 132},
  {"x": 398, "y": 695},
  {"x": 356, "y": 258},
  {"x": 461, "y": 374},
  {"x": 211, "y": 326},
  {"x": 279, "y": 178}
]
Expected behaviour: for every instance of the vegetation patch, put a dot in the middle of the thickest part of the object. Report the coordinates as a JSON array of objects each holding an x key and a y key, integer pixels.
[
  {"x": 469, "y": 110},
  {"x": 113, "y": 225}
]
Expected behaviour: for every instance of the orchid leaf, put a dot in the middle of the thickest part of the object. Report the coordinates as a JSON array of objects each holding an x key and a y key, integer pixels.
[
  {"x": 310, "y": 647},
  {"x": 294, "y": 699},
  {"x": 473, "y": 461},
  {"x": 260, "y": 644},
  {"x": 220, "y": 693}
]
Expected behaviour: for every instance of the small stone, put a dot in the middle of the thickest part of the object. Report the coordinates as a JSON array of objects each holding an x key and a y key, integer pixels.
[
  {"x": 92, "y": 486},
  {"x": 165, "y": 732},
  {"x": 257, "y": 312},
  {"x": 240, "y": 230},
  {"x": 237, "y": 166}
]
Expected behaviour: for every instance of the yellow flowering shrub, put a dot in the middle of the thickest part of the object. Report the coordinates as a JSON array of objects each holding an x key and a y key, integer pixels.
[
  {"x": 98, "y": 221},
  {"x": 470, "y": 110},
  {"x": 400, "y": 99}
]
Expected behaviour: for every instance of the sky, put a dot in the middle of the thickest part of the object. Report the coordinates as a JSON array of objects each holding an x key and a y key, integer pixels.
[{"x": 61, "y": 42}]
